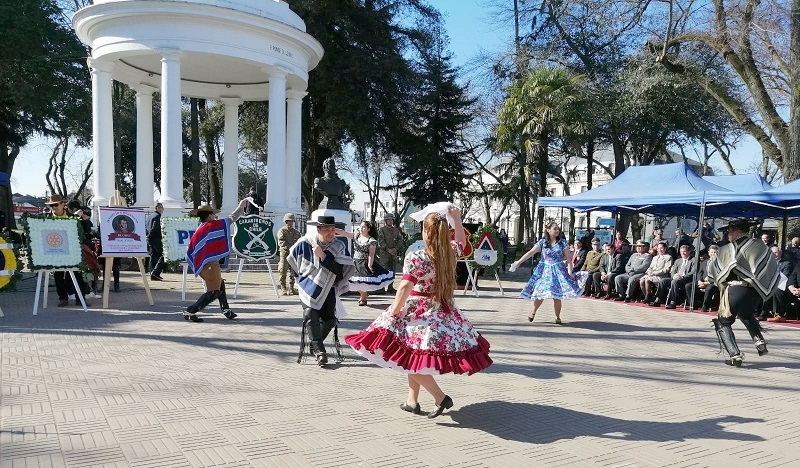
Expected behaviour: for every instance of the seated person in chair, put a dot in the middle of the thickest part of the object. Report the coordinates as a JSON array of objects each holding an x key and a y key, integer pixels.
[
  {"x": 627, "y": 282},
  {"x": 591, "y": 265},
  {"x": 323, "y": 265},
  {"x": 781, "y": 300},
  {"x": 706, "y": 293},
  {"x": 659, "y": 269},
  {"x": 681, "y": 274}
]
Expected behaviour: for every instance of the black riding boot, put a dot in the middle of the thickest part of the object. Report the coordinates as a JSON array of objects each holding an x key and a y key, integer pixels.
[
  {"x": 116, "y": 280},
  {"x": 327, "y": 326},
  {"x": 202, "y": 302},
  {"x": 223, "y": 303},
  {"x": 728, "y": 341},
  {"x": 755, "y": 333},
  {"x": 315, "y": 336}
]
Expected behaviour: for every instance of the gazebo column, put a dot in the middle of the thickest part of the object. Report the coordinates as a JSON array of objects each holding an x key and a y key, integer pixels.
[
  {"x": 294, "y": 134},
  {"x": 230, "y": 161},
  {"x": 171, "y": 135},
  {"x": 144, "y": 146},
  {"x": 276, "y": 143},
  {"x": 102, "y": 131}
]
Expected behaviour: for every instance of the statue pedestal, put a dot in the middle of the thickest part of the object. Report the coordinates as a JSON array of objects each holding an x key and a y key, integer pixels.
[{"x": 341, "y": 216}]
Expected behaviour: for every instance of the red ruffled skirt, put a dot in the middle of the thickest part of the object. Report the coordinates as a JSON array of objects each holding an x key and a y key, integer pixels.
[{"x": 425, "y": 339}]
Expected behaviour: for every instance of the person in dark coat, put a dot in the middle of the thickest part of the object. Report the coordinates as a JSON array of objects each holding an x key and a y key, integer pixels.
[
  {"x": 746, "y": 275},
  {"x": 781, "y": 299},
  {"x": 156, "y": 246}
]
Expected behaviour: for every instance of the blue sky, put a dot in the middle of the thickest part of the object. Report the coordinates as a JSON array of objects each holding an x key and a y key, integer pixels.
[{"x": 471, "y": 28}]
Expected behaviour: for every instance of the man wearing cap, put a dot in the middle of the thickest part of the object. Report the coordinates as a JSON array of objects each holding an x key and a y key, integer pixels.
[
  {"x": 746, "y": 273},
  {"x": 626, "y": 283},
  {"x": 64, "y": 286},
  {"x": 210, "y": 243},
  {"x": 323, "y": 265},
  {"x": 591, "y": 264},
  {"x": 390, "y": 242},
  {"x": 287, "y": 236}
]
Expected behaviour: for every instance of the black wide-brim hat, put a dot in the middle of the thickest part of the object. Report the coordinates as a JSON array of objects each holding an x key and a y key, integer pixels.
[
  {"x": 743, "y": 224},
  {"x": 326, "y": 221}
]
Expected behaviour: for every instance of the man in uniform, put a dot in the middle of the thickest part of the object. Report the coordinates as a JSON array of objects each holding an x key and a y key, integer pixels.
[
  {"x": 390, "y": 243},
  {"x": 746, "y": 273},
  {"x": 287, "y": 236}
]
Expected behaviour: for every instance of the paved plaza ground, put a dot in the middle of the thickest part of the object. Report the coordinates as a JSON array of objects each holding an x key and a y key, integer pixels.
[{"x": 615, "y": 385}]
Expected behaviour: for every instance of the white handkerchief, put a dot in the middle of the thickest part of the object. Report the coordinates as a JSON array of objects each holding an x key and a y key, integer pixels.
[
  {"x": 782, "y": 280},
  {"x": 512, "y": 268},
  {"x": 442, "y": 208}
]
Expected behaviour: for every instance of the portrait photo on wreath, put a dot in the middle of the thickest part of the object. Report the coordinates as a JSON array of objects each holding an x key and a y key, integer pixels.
[{"x": 122, "y": 230}]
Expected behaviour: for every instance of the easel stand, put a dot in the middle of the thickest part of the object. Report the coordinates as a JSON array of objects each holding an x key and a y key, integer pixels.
[
  {"x": 271, "y": 277},
  {"x": 43, "y": 280},
  {"x": 107, "y": 275},
  {"x": 472, "y": 277}
]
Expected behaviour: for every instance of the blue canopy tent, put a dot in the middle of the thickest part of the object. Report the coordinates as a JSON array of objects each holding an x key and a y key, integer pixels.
[
  {"x": 672, "y": 189},
  {"x": 663, "y": 190}
]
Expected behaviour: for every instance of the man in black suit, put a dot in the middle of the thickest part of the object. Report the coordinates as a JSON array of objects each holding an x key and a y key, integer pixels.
[
  {"x": 681, "y": 274},
  {"x": 156, "y": 245},
  {"x": 578, "y": 255},
  {"x": 705, "y": 290},
  {"x": 781, "y": 299}
]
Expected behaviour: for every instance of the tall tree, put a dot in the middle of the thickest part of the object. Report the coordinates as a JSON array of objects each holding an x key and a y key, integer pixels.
[
  {"x": 435, "y": 171},
  {"x": 540, "y": 108},
  {"x": 38, "y": 48},
  {"x": 759, "y": 42},
  {"x": 360, "y": 92}
]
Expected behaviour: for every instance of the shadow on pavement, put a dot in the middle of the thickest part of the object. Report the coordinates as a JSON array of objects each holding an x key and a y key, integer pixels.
[{"x": 542, "y": 424}]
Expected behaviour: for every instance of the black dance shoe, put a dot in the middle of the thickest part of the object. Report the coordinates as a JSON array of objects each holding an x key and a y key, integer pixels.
[
  {"x": 446, "y": 403},
  {"x": 191, "y": 317},
  {"x": 411, "y": 409},
  {"x": 229, "y": 314}
]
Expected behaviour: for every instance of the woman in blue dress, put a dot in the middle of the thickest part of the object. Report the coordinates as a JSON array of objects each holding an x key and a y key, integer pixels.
[{"x": 553, "y": 277}]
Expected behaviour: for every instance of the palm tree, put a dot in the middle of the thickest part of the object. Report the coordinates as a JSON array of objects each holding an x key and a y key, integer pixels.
[{"x": 542, "y": 106}]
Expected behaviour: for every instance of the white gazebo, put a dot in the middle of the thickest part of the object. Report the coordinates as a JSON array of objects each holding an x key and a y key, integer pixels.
[{"x": 227, "y": 50}]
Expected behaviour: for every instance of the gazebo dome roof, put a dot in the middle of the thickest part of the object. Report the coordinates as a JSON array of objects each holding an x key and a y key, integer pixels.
[{"x": 226, "y": 47}]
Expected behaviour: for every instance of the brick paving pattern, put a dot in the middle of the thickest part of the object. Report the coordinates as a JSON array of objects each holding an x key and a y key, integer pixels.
[{"x": 137, "y": 386}]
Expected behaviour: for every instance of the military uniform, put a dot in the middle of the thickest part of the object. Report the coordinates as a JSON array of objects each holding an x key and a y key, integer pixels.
[
  {"x": 287, "y": 237},
  {"x": 389, "y": 237}
]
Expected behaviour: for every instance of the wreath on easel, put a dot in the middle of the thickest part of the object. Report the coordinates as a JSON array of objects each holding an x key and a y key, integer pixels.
[
  {"x": 476, "y": 237},
  {"x": 9, "y": 266}
]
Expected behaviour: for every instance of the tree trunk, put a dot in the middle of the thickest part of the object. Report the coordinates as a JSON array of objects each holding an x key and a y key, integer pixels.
[
  {"x": 195, "y": 155},
  {"x": 7, "y": 159}
]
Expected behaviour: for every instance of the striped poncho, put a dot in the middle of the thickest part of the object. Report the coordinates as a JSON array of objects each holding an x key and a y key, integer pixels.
[
  {"x": 313, "y": 279},
  {"x": 211, "y": 242},
  {"x": 751, "y": 261}
]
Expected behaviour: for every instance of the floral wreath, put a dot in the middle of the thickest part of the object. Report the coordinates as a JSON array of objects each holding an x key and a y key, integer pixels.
[
  {"x": 9, "y": 266},
  {"x": 33, "y": 231}
]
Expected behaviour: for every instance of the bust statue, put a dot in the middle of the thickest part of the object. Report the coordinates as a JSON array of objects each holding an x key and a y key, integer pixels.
[{"x": 331, "y": 186}]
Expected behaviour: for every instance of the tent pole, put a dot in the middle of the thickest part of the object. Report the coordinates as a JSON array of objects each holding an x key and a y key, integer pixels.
[
  {"x": 784, "y": 230},
  {"x": 697, "y": 251}
]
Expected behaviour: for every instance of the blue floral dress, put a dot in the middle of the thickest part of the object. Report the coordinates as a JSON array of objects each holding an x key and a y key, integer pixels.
[{"x": 550, "y": 279}]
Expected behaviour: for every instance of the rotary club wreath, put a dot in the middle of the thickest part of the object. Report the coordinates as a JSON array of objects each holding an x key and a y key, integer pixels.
[{"x": 53, "y": 243}]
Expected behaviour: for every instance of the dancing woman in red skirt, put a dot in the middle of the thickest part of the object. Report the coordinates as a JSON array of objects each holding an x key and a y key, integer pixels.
[{"x": 423, "y": 333}]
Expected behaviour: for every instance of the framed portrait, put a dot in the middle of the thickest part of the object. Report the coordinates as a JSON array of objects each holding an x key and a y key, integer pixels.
[{"x": 122, "y": 231}]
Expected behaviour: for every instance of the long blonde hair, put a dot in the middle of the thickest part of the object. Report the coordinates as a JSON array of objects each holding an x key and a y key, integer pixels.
[{"x": 437, "y": 246}]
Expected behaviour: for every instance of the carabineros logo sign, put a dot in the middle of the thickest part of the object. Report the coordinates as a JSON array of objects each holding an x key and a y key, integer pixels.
[{"x": 253, "y": 237}]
